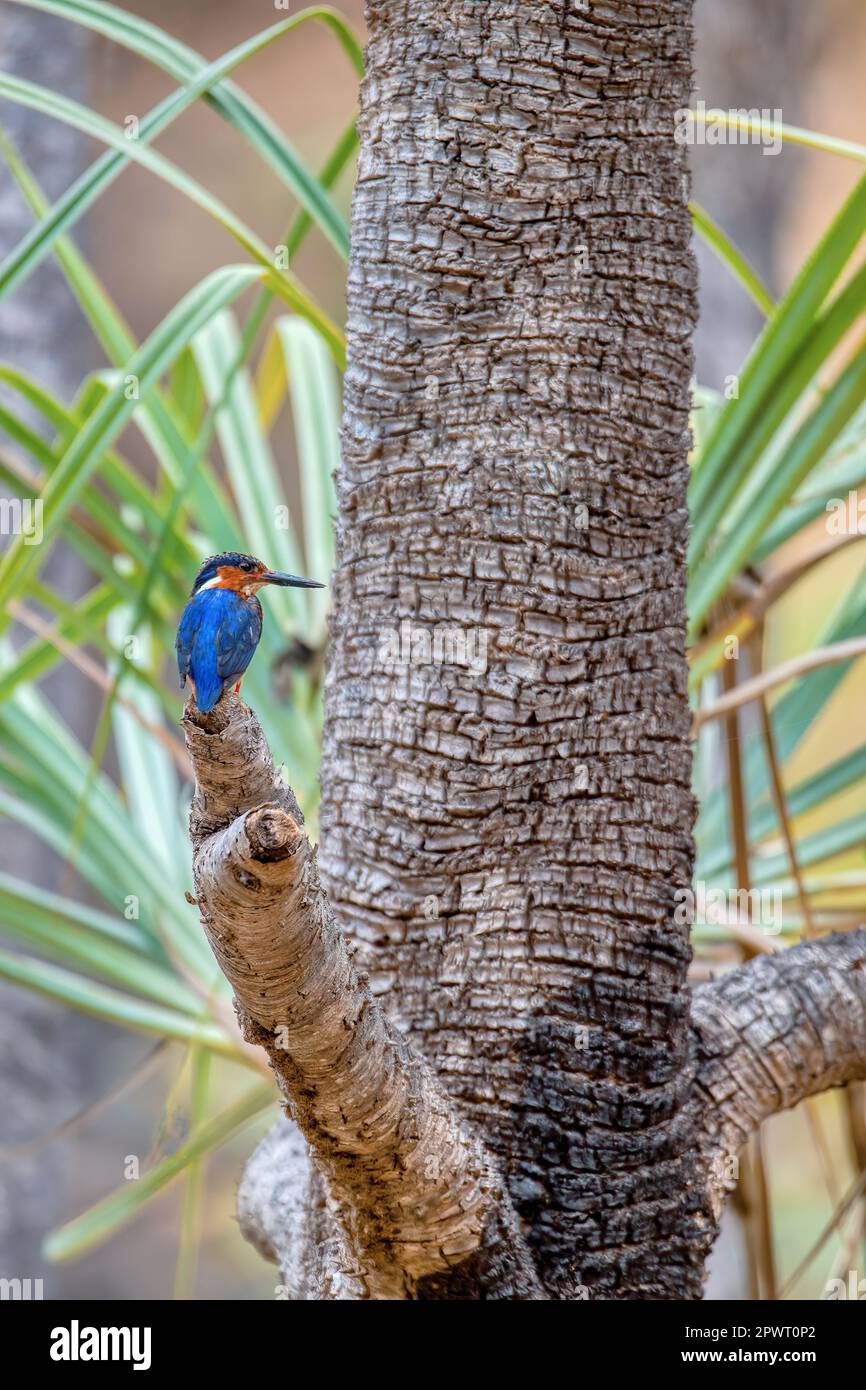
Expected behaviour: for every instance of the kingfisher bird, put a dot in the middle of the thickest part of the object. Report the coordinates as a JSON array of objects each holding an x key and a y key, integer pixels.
[{"x": 220, "y": 627}]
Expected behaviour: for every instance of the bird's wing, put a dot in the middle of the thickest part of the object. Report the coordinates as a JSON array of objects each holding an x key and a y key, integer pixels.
[
  {"x": 183, "y": 642},
  {"x": 216, "y": 638},
  {"x": 237, "y": 638}
]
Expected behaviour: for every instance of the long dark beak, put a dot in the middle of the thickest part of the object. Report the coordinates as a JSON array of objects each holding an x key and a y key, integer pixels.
[{"x": 289, "y": 581}]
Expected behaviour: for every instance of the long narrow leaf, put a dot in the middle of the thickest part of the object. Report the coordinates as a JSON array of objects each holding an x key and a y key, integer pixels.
[
  {"x": 77, "y": 992},
  {"x": 735, "y": 260},
  {"x": 57, "y": 929},
  {"x": 186, "y": 65},
  {"x": 146, "y": 366},
  {"x": 316, "y": 415},
  {"x": 284, "y": 284},
  {"x": 723, "y": 468},
  {"x": 256, "y": 486},
  {"x": 102, "y": 1221},
  {"x": 750, "y": 520}
]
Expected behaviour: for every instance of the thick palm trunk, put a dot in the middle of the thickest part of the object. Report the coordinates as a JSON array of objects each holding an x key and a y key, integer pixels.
[{"x": 505, "y": 843}]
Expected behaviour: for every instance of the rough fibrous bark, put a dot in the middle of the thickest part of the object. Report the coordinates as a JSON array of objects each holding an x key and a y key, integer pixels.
[{"x": 521, "y": 300}]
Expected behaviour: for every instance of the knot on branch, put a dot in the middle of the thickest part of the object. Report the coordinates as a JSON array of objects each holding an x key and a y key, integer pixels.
[{"x": 273, "y": 834}]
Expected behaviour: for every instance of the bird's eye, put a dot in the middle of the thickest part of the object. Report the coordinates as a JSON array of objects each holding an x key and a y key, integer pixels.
[{"x": 246, "y": 564}]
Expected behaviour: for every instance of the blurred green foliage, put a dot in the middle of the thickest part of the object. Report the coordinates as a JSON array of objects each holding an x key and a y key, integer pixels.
[{"x": 765, "y": 465}]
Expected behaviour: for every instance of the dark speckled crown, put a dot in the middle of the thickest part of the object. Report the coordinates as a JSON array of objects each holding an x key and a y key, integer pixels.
[{"x": 234, "y": 558}]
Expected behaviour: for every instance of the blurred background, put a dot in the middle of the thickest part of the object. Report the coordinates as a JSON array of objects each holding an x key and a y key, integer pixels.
[{"x": 98, "y": 1088}]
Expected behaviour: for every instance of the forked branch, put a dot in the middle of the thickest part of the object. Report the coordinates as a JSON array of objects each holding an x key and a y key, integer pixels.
[{"x": 412, "y": 1195}]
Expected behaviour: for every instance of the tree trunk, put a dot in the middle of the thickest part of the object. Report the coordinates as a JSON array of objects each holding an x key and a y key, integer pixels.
[
  {"x": 521, "y": 299},
  {"x": 479, "y": 1018}
]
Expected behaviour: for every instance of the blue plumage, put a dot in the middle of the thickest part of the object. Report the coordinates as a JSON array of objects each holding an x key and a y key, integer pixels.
[
  {"x": 218, "y": 634},
  {"x": 221, "y": 625}
]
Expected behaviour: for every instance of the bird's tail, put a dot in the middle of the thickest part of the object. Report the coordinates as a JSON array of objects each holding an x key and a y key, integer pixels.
[{"x": 208, "y": 690}]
